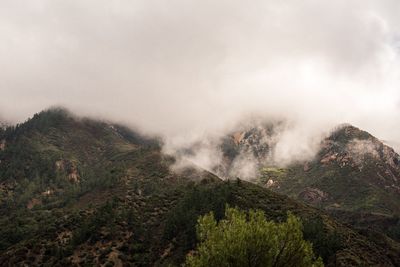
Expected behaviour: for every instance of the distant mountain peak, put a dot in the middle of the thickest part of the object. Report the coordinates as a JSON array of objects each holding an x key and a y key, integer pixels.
[
  {"x": 348, "y": 159},
  {"x": 347, "y": 132}
]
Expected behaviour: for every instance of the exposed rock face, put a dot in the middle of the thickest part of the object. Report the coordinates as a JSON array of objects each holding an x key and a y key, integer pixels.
[
  {"x": 254, "y": 144},
  {"x": 48, "y": 192},
  {"x": 270, "y": 183},
  {"x": 2, "y": 145},
  {"x": 33, "y": 202},
  {"x": 360, "y": 149},
  {"x": 343, "y": 159},
  {"x": 313, "y": 195},
  {"x": 60, "y": 166},
  {"x": 306, "y": 167},
  {"x": 70, "y": 168},
  {"x": 64, "y": 237},
  {"x": 353, "y": 147},
  {"x": 328, "y": 158},
  {"x": 238, "y": 137},
  {"x": 390, "y": 156},
  {"x": 257, "y": 140},
  {"x": 351, "y": 144},
  {"x": 74, "y": 176}
]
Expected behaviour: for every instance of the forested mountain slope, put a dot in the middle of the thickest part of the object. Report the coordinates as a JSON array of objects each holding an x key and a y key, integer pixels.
[{"x": 81, "y": 192}]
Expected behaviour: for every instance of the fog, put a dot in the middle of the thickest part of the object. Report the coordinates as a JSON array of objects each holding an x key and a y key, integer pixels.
[{"x": 192, "y": 70}]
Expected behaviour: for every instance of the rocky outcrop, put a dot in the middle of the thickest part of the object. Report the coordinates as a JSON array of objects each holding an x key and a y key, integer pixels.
[
  {"x": 33, "y": 202},
  {"x": 351, "y": 146},
  {"x": 238, "y": 137},
  {"x": 70, "y": 168},
  {"x": 47, "y": 193},
  {"x": 73, "y": 176},
  {"x": 270, "y": 183},
  {"x": 2, "y": 145},
  {"x": 313, "y": 195},
  {"x": 306, "y": 167}
]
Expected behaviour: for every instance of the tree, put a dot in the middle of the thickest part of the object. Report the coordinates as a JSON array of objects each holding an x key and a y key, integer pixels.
[
  {"x": 242, "y": 239},
  {"x": 325, "y": 243}
]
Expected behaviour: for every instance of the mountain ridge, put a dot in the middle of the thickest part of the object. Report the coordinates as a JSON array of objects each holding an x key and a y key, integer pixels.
[
  {"x": 80, "y": 192},
  {"x": 348, "y": 153}
]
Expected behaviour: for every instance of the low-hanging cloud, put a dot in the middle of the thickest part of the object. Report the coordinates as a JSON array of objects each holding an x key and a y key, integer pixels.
[{"x": 190, "y": 69}]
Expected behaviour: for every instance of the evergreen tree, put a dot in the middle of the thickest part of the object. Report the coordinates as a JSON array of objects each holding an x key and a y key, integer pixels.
[{"x": 242, "y": 239}]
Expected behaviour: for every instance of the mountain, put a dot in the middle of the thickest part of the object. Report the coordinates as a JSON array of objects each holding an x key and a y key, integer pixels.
[
  {"x": 76, "y": 191},
  {"x": 354, "y": 176},
  {"x": 352, "y": 171}
]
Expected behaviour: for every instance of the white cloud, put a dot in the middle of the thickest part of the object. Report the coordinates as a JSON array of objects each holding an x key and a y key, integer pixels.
[{"x": 187, "y": 69}]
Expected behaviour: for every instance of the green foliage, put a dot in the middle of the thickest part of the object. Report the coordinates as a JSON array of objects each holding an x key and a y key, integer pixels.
[
  {"x": 242, "y": 239},
  {"x": 104, "y": 216},
  {"x": 325, "y": 244},
  {"x": 394, "y": 230},
  {"x": 198, "y": 201}
]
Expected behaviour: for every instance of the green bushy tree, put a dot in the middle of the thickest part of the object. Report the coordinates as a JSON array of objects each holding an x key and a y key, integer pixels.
[{"x": 242, "y": 239}]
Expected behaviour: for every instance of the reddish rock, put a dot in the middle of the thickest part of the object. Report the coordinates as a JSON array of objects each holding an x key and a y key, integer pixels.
[
  {"x": 33, "y": 202},
  {"x": 313, "y": 195},
  {"x": 2, "y": 145},
  {"x": 306, "y": 167}
]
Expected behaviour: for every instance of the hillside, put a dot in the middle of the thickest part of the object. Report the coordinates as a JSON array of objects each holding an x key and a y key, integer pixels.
[
  {"x": 354, "y": 176},
  {"x": 82, "y": 192},
  {"x": 352, "y": 171}
]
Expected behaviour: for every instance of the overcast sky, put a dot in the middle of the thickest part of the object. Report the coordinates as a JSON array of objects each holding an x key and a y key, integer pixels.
[{"x": 183, "y": 68}]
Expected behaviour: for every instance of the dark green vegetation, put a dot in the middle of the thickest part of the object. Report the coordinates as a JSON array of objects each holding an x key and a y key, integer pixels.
[
  {"x": 242, "y": 239},
  {"x": 82, "y": 192}
]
